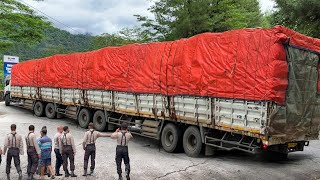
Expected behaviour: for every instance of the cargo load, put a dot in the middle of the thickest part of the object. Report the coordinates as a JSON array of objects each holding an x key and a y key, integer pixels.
[{"x": 257, "y": 82}]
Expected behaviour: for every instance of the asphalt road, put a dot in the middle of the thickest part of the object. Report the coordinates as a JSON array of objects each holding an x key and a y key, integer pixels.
[{"x": 150, "y": 163}]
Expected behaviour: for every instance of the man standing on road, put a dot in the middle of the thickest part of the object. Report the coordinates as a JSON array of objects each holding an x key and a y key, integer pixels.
[
  {"x": 57, "y": 151},
  {"x": 89, "y": 146},
  {"x": 0, "y": 155},
  {"x": 123, "y": 137},
  {"x": 45, "y": 144},
  {"x": 68, "y": 150},
  {"x": 13, "y": 142},
  {"x": 33, "y": 152}
]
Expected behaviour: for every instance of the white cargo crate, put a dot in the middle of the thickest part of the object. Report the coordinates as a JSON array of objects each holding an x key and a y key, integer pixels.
[
  {"x": 125, "y": 102},
  {"x": 241, "y": 114},
  {"x": 50, "y": 94},
  {"x": 71, "y": 96},
  {"x": 98, "y": 98},
  {"x": 193, "y": 108},
  {"x": 232, "y": 114},
  {"x": 148, "y": 102}
]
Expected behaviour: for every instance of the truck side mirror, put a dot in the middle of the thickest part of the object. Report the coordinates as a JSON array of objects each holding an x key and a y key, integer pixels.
[{"x": 7, "y": 82}]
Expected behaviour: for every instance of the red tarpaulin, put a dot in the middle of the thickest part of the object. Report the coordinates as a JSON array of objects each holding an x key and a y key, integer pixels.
[{"x": 244, "y": 64}]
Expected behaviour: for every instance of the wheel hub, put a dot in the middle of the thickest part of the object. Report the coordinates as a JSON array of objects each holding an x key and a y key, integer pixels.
[
  {"x": 169, "y": 139},
  {"x": 99, "y": 120},
  {"x": 192, "y": 141},
  {"x": 84, "y": 117}
]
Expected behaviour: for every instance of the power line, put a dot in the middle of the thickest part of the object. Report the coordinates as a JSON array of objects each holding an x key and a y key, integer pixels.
[{"x": 50, "y": 16}]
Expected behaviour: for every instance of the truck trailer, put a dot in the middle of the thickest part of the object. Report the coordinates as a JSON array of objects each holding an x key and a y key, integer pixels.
[{"x": 253, "y": 90}]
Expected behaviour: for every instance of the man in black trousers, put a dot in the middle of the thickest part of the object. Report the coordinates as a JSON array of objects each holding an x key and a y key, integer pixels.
[
  {"x": 89, "y": 145},
  {"x": 33, "y": 151},
  {"x": 68, "y": 151},
  {"x": 123, "y": 136},
  {"x": 57, "y": 151},
  {"x": 14, "y": 144}
]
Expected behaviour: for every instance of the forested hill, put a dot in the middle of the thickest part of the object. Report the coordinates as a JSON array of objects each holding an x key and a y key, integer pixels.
[{"x": 55, "y": 41}]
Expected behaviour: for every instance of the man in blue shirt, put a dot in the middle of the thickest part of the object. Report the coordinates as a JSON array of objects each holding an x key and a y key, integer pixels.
[{"x": 45, "y": 144}]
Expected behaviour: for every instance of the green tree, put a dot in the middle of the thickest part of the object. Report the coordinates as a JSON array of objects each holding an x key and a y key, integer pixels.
[
  {"x": 302, "y": 16},
  {"x": 175, "y": 19},
  {"x": 104, "y": 40},
  {"x": 55, "y": 41},
  {"x": 135, "y": 35},
  {"x": 1, "y": 75},
  {"x": 19, "y": 23}
]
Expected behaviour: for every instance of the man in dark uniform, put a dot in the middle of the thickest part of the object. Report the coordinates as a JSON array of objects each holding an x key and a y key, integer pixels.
[
  {"x": 89, "y": 145},
  {"x": 14, "y": 144},
  {"x": 33, "y": 152},
  {"x": 123, "y": 137},
  {"x": 68, "y": 151}
]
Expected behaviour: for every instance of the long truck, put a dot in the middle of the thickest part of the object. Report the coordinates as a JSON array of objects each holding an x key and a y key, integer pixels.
[{"x": 267, "y": 99}]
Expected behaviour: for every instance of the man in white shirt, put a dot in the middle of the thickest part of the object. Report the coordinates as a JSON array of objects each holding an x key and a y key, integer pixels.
[
  {"x": 89, "y": 145},
  {"x": 123, "y": 136},
  {"x": 56, "y": 140},
  {"x": 33, "y": 152}
]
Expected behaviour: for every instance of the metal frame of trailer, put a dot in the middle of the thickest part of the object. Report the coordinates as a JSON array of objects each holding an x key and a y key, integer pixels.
[{"x": 227, "y": 124}]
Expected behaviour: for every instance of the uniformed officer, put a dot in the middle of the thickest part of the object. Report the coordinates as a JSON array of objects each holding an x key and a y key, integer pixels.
[
  {"x": 56, "y": 140},
  {"x": 0, "y": 155},
  {"x": 13, "y": 143},
  {"x": 33, "y": 152},
  {"x": 68, "y": 150},
  {"x": 123, "y": 137},
  {"x": 89, "y": 145}
]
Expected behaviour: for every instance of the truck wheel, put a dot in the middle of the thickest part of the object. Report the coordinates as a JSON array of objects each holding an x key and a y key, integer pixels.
[
  {"x": 7, "y": 100},
  {"x": 99, "y": 121},
  {"x": 192, "y": 143},
  {"x": 170, "y": 138},
  {"x": 50, "y": 111},
  {"x": 84, "y": 118},
  {"x": 38, "y": 109}
]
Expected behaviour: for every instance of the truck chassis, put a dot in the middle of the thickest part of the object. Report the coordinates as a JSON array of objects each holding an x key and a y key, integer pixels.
[{"x": 187, "y": 121}]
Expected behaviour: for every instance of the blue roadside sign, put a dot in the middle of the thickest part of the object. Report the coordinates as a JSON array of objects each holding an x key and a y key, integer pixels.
[{"x": 8, "y": 62}]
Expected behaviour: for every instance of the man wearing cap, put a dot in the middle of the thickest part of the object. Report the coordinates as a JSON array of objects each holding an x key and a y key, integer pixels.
[
  {"x": 33, "y": 152},
  {"x": 123, "y": 136},
  {"x": 68, "y": 151},
  {"x": 14, "y": 144},
  {"x": 89, "y": 145}
]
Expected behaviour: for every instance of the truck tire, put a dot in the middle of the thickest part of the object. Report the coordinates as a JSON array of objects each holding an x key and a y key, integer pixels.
[
  {"x": 192, "y": 143},
  {"x": 38, "y": 109},
  {"x": 84, "y": 117},
  {"x": 99, "y": 121},
  {"x": 50, "y": 111},
  {"x": 7, "y": 100},
  {"x": 170, "y": 138}
]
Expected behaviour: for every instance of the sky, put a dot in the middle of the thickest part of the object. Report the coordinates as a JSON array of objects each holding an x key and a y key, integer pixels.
[{"x": 98, "y": 16}]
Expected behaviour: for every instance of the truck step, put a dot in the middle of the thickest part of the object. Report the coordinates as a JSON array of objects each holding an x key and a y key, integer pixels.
[
  {"x": 28, "y": 104},
  {"x": 70, "y": 112},
  {"x": 150, "y": 130},
  {"x": 151, "y": 123},
  {"x": 72, "y": 108},
  {"x": 150, "y": 134}
]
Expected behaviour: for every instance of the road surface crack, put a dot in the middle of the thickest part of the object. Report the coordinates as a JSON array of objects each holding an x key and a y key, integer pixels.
[{"x": 180, "y": 170}]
